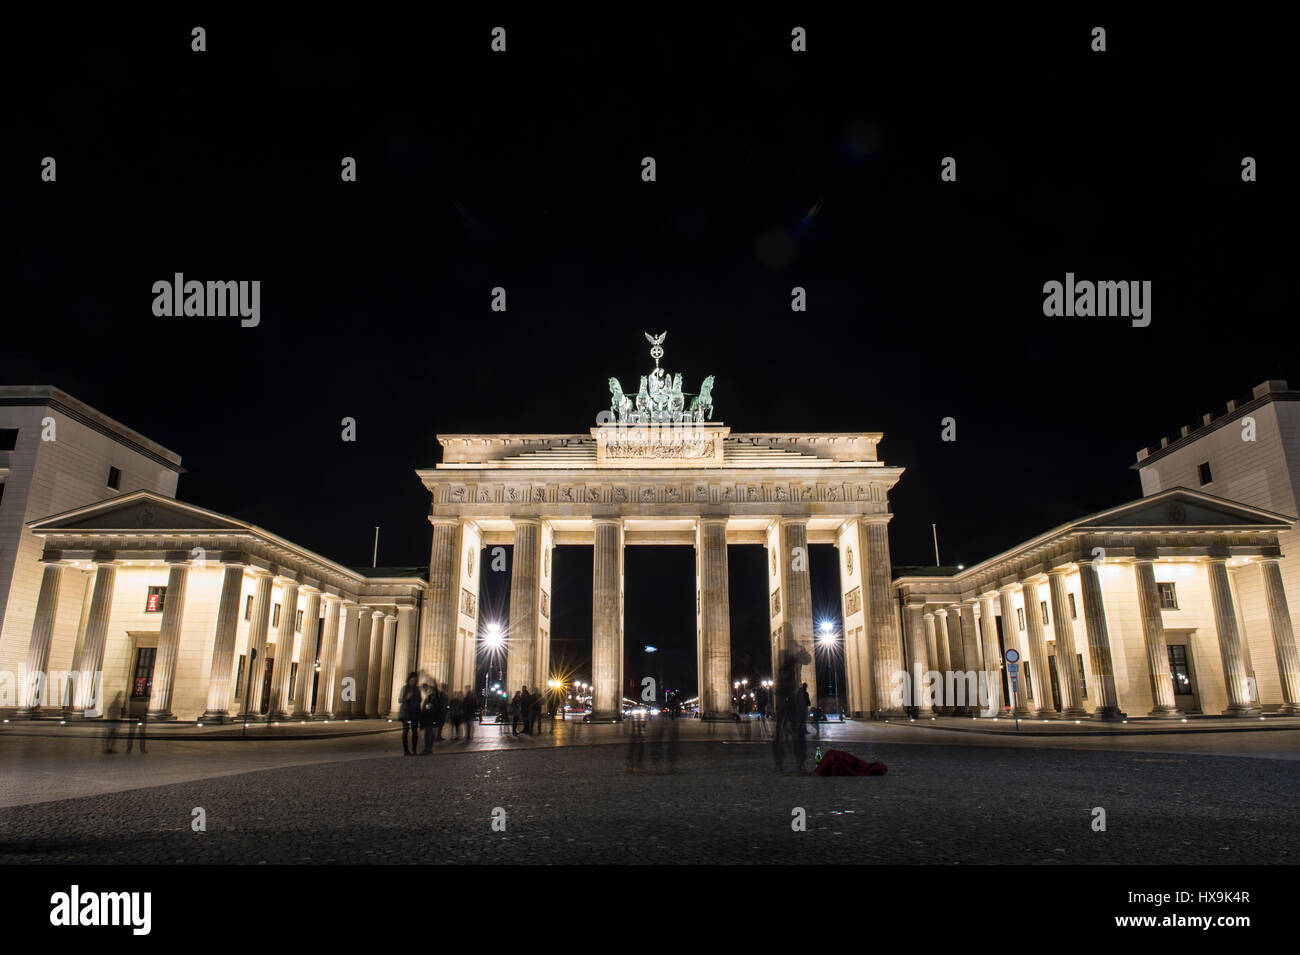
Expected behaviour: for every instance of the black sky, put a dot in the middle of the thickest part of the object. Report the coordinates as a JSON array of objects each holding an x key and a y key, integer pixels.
[{"x": 523, "y": 170}]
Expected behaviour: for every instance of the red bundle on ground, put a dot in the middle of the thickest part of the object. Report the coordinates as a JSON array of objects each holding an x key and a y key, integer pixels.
[{"x": 836, "y": 762}]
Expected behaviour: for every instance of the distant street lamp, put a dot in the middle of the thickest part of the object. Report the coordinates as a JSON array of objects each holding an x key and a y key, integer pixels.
[{"x": 830, "y": 642}]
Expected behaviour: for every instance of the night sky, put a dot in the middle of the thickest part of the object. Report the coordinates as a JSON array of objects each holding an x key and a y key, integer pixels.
[{"x": 775, "y": 169}]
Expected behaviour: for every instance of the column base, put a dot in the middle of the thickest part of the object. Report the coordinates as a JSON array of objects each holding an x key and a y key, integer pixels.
[
  {"x": 159, "y": 716},
  {"x": 1289, "y": 709},
  {"x": 1109, "y": 714},
  {"x": 278, "y": 717},
  {"x": 1166, "y": 713},
  {"x": 1075, "y": 713},
  {"x": 612, "y": 716},
  {"x": 892, "y": 713},
  {"x": 215, "y": 716},
  {"x": 1244, "y": 710}
]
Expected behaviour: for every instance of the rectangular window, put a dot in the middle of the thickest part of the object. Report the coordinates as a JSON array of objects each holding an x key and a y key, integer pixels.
[
  {"x": 142, "y": 678},
  {"x": 1083, "y": 676},
  {"x": 8, "y": 439},
  {"x": 248, "y": 608},
  {"x": 275, "y": 616},
  {"x": 1203, "y": 471},
  {"x": 1168, "y": 597},
  {"x": 297, "y": 622},
  {"x": 1042, "y": 606},
  {"x": 153, "y": 603},
  {"x": 239, "y": 675},
  {"x": 1020, "y": 617},
  {"x": 114, "y": 478},
  {"x": 1074, "y": 614},
  {"x": 1029, "y": 684},
  {"x": 293, "y": 678}
]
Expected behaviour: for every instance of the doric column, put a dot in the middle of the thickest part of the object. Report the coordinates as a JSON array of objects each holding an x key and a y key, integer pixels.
[
  {"x": 169, "y": 640},
  {"x": 249, "y": 696},
  {"x": 715, "y": 618},
  {"x": 798, "y": 627},
  {"x": 1225, "y": 621},
  {"x": 302, "y": 690},
  {"x": 886, "y": 640},
  {"x": 990, "y": 650},
  {"x": 607, "y": 620},
  {"x": 36, "y": 686},
  {"x": 1037, "y": 649},
  {"x": 369, "y": 638},
  {"x": 1153, "y": 636},
  {"x": 946, "y": 664},
  {"x": 404, "y": 650},
  {"x": 956, "y": 661},
  {"x": 385, "y": 684},
  {"x": 438, "y": 633},
  {"x": 970, "y": 642},
  {"x": 1011, "y": 641},
  {"x": 90, "y": 663},
  {"x": 345, "y": 682},
  {"x": 1068, "y": 676},
  {"x": 1103, "y": 666},
  {"x": 920, "y": 634},
  {"x": 283, "y": 664},
  {"x": 525, "y": 580},
  {"x": 223, "y": 644},
  {"x": 1279, "y": 618},
  {"x": 329, "y": 653},
  {"x": 938, "y": 660}
]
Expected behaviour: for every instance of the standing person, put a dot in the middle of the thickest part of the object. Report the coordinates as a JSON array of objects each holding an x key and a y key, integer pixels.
[
  {"x": 429, "y": 716},
  {"x": 457, "y": 714},
  {"x": 787, "y": 709},
  {"x": 114, "y": 722},
  {"x": 802, "y": 703},
  {"x": 526, "y": 709},
  {"x": 409, "y": 711},
  {"x": 470, "y": 712},
  {"x": 444, "y": 708},
  {"x": 516, "y": 704}
]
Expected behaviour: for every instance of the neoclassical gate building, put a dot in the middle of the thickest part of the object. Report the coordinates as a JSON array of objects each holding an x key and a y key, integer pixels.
[{"x": 685, "y": 483}]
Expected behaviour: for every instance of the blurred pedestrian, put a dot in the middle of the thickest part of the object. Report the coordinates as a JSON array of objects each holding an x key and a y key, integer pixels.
[{"x": 409, "y": 711}]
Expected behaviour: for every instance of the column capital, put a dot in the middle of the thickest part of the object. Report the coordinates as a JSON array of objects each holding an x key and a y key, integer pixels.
[
  {"x": 914, "y": 603},
  {"x": 711, "y": 519},
  {"x": 1061, "y": 570},
  {"x": 105, "y": 558},
  {"x": 606, "y": 521},
  {"x": 1269, "y": 560},
  {"x": 527, "y": 521},
  {"x": 440, "y": 521},
  {"x": 307, "y": 590},
  {"x": 1010, "y": 588},
  {"x": 940, "y": 612},
  {"x": 785, "y": 519}
]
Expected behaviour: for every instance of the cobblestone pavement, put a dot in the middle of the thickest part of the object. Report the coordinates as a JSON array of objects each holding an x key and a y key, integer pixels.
[{"x": 720, "y": 802}]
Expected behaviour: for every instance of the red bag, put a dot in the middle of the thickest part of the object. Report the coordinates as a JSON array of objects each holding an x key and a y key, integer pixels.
[{"x": 836, "y": 762}]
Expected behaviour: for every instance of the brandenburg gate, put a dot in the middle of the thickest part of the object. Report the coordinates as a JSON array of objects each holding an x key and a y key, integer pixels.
[{"x": 654, "y": 471}]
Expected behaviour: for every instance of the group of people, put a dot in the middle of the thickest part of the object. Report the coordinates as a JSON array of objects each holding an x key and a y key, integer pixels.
[
  {"x": 428, "y": 707},
  {"x": 526, "y": 707}
]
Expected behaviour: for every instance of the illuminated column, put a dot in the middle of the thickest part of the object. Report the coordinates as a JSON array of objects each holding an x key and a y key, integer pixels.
[
  {"x": 607, "y": 620},
  {"x": 1225, "y": 622},
  {"x": 1103, "y": 666},
  {"x": 1153, "y": 635},
  {"x": 249, "y": 696},
  {"x": 525, "y": 579},
  {"x": 329, "y": 654},
  {"x": 1037, "y": 649},
  {"x": 938, "y": 661},
  {"x": 385, "y": 682},
  {"x": 946, "y": 665},
  {"x": 438, "y": 633},
  {"x": 302, "y": 690},
  {"x": 971, "y": 652},
  {"x": 223, "y": 645},
  {"x": 345, "y": 681},
  {"x": 404, "y": 650},
  {"x": 169, "y": 641},
  {"x": 36, "y": 686},
  {"x": 1279, "y": 617},
  {"x": 283, "y": 663},
  {"x": 990, "y": 651},
  {"x": 1068, "y": 676},
  {"x": 715, "y": 618},
  {"x": 920, "y": 633},
  {"x": 886, "y": 642},
  {"x": 90, "y": 662},
  {"x": 1011, "y": 641},
  {"x": 369, "y": 636},
  {"x": 798, "y": 625}
]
